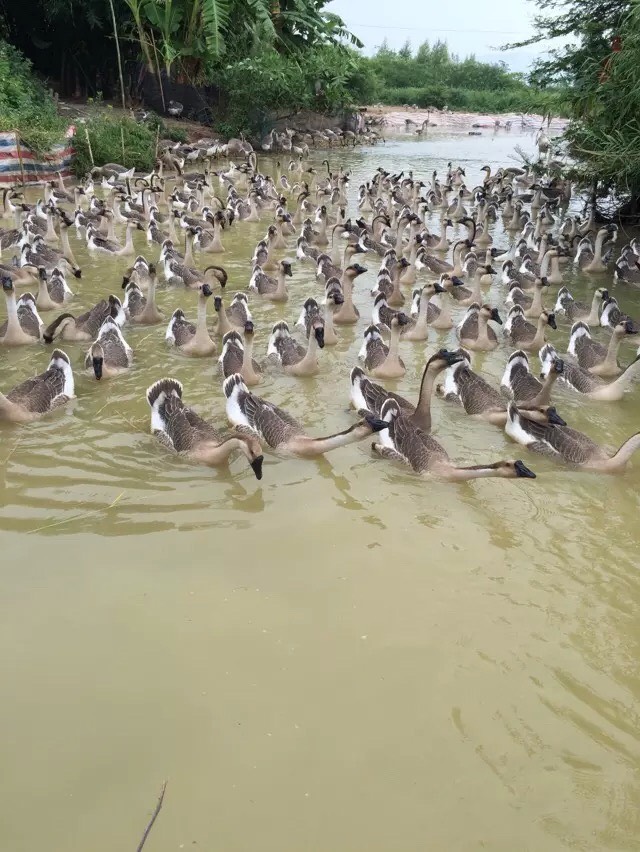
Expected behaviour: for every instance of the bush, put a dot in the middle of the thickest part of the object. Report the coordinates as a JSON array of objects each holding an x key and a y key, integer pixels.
[
  {"x": 25, "y": 105},
  {"x": 106, "y": 131}
]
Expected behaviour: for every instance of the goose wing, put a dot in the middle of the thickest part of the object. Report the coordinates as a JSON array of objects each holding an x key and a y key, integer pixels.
[
  {"x": 41, "y": 393},
  {"x": 468, "y": 329},
  {"x": 579, "y": 379},
  {"x": 289, "y": 350},
  {"x": 263, "y": 283},
  {"x": 272, "y": 423},
  {"x": 417, "y": 447},
  {"x": 91, "y": 320},
  {"x": 231, "y": 359},
  {"x": 134, "y": 302},
  {"x": 237, "y": 313},
  {"x": 373, "y": 395},
  {"x": 521, "y": 330},
  {"x": 177, "y": 425},
  {"x": 524, "y": 385},
  {"x": 574, "y": 447},
  {"x": 476, "y": 394},
  {"x": 183, "y": 330},
  {"x": 115, "y": 351},
  {"x": 377, "y": 351},
  {"x": 588, "y": 351}
]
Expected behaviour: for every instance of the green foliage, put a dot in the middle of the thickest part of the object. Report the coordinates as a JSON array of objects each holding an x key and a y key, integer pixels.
[
  {"x": 601, "y": 65},
  {"x": 106, "y": 132},
  {"x": 325, "y": 79},
  {"x": 434, "y": 78},
  {"x": 25, "y": 105}
]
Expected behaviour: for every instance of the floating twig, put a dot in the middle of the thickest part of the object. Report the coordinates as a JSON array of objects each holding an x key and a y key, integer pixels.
[{"x": 153, "y": 818}]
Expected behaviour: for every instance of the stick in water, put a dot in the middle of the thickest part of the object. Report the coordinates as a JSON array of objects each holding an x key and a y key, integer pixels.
[{"x": 153, "y": 818}]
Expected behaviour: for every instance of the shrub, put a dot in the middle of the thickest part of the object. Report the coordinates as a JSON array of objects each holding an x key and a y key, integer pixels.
[{"x": 106, "y": 131}]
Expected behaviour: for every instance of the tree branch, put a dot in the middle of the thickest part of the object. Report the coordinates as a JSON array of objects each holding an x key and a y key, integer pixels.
[{"x": 153, "y": 818}]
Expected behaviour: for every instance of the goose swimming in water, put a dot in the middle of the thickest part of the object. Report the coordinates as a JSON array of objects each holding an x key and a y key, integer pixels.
[
  {"x": 109, "y": 354},
  {"x": 406, "y": 444},
  {"x": 53, "y": 290},
  {"x": 271, "y": 288},
  {"x": 524, "y": 334},
  {"x": 87, "y": 325},
  {"x": 192, "y": 339},
  {"x": 574, "y": 310},
  {"x": 295, "y": 359},
  {"x": 562, "y": 443},
  {"x": 280, "y": 431},
  {"x": 237, "y": 356},
  {"x": 369, "y": 396},
  {"x": 140, "y": 309},
  {"x": 519, "y": 383},
  {"x": 35, "y": 397},
  {"x": 380, "y": 360},
  {"x": 593, "y": 356},
  {"x": 612, "y": 316},
  {"x": 180, "y": 429},
  {"x": 586, "y": 383},
  {"x": 23, "y": 324},
  {"x": 235, "y": 317},
  {"x": 474, "y": 331}
]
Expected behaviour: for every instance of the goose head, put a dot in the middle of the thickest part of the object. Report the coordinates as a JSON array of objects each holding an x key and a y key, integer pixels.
[
  {"x": 549, "y": 318},
  {"x": 97, "y": 359},
  {"x": 252, "y": 449},
  {"x": 490, "y": 313}
]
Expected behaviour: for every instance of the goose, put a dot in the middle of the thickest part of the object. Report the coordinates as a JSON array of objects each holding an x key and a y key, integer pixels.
[
  {"x": 380, "y": 360},
  {"x": 235, "y": 317},
  {"x": 236, "y": 356},
  {"x": 140, "y": 309},
  {"x": 564, "y": 444},
  {"x": 591, "y": 260},
  {"x": 519, "y": 383},
  {"x": 39, "y": 254},
  {"x": 109, "y": 355},
  {"x": 424, "y": 312},
  {"x": 594, "y": 356},
  {"x": 347, "y": 313},
  {"x": 327, "y": 269},
  {"x": 23, "y": 324},
  {"x": 87, "y": 325},
  {"x": 469, "y": 295},
  {"x": 479, "y": 399},
  {"x": 369, "y": 396},
  {"x": 192, "y": 339},
  {"x": 295, "y": 359},
  {"x": 180, "y": 429},
  {"x": 35, "y": 397},
  {"x": 275, "y": 290},
  {"x": 192, "y": 278},
  {"x": 390, "y": 287},
  {"x": 585, "y": 383},
  {"x": 612, "y": 316},
  {"x": 531, "y": 304},
  {"x": 278, "y": 430},
  {"x": 626, "y": 273},
  {"x": 53, "y": 291},
  {"x": 574, "y": 310},
  {"x": 96, "y": 242},
  {"x": 524, "y": 334},
  {"x": 474, "y": 331},
  {"x": 406, "y": 444}
]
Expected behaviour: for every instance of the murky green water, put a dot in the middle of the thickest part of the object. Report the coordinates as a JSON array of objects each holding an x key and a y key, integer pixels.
[{"x": 340, "y": 657}]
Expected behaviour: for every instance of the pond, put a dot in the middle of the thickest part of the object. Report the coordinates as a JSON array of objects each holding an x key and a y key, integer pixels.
[{"x": 339, "y": 657}]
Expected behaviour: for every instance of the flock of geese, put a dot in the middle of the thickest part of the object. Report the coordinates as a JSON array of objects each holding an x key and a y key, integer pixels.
[{"x": 426, "y": 279}]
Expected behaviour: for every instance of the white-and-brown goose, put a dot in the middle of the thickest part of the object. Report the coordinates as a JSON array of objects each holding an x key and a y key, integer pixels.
[
  {"x": 109, "y": 355},
  {"x": 36, "y": 397}
]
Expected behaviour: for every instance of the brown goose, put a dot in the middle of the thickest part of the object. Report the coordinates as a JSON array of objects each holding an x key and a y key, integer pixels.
[
  {"x": 274, "y": 289},
  {"x": 235, "y": 317},
  {"x": 109, "y": 354},
  {"x": 519, "y": 383},
  {"x": 380, "y": 360},
  {"x": 524, "y": 334},
  {"x": 237, "y": 357},
  {"x": 474, "y": 331},
  {"x": 23, "y": 324},
  {"x": 369, "y": 396},
  {"x": 180, "y": 429},
  {"x": 34, "y": 398},
  {"x": 567, "y": 445},
  {"x": 53, "y": 291},
  {"x": 295, "y": 359},
  {"x": 574, "y": 310},
  {"x": 406, "y": 444},
  {"x": 593, "y": 356},
  {"x": 87, "y": 325},
  {"x": 278, "y": 430},
  {"x": 189, "y": 338},
  {"x": 588, "y": 384}
]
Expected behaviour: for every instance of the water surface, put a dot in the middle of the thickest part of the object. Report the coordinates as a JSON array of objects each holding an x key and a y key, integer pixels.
[{"x": 340, "y": 656}]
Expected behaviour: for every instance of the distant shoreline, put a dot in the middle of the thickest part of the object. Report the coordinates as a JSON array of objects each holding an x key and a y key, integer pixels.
[{"x": 396, "y": 118}]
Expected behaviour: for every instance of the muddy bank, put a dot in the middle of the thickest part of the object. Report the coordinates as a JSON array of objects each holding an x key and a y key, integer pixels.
[{"x": 400, "y": 118}]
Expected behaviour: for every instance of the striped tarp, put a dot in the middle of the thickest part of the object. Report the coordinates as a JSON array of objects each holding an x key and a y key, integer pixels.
[{"x": 19, "y": 164}]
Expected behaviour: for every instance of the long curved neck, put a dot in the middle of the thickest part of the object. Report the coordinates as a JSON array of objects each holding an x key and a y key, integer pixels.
[
  {"x": 66, "y": 248},
  {"x": 626, "y": 451},
  {"x": 594, "y": 314},
  {"x": 544, "y": 394},
  {"x": 311, "y": 356},
  {"x": 483, "y": 335},
  {"x": 624, "y": 381},
  {"x": 188, "y": 251},
  {"x": 423, "y": 312},
  {"x": 462, "y": 474},
  {"x": 202, "y": 334},
  {"x": 13, "y": 321},
  {"x": 597, "y": 252},
  {"x": 331, "y": 442},
  {"x": 220, "y": 453},
  {"x": 538, "y": 340},
  {"x": 282, "y": 287},
  {"x": 394, "y": 345},
  {"x": 329, "y": 330},
  {"x": 544, "y": 266},
  {"x": 128, "y": 238},
  {"x": 536, "y": 301},
  {"x": 611, "y": 359},
  {"x": 421, "y": 417},
  {"x": 247, "y": 354}
]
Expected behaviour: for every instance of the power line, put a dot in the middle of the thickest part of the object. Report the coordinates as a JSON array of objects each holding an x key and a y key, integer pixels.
[{"x": 436, "y": 30}]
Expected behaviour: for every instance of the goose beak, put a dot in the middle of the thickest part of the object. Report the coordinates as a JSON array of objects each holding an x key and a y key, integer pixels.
[
  {"x": 375, "y": 423},
  {"x": 457, "y": 282},
  {"x": 523, "y": 471},
  {"x": 555, "y": 418},
  {"x": 97, "y": 364},
  {"x": 439, "y": 288},
  {"x": 256, "y": 466},
  {"x": 452, "y": 358},
  {"x": 552, "y": 321}
]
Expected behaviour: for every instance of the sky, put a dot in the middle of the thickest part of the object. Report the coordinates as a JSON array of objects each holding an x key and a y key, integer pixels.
[{"x": 468, "y": 26}]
